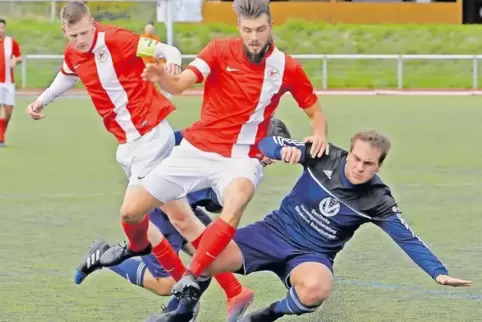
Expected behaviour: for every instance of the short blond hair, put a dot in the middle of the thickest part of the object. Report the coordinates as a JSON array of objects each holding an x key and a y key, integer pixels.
[
  {"x": 73, "y": 12},
  {"x": 375, "y": 139}
]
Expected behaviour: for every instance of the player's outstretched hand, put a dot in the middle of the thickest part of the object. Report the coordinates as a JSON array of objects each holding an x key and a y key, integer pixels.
[
  {"x": 153, "y": 72},
  {"x": 452, "y": 281},
  {"x": 173, "y": 69},
  {"x": 319, "y": 145},
  {"x": 35, "y": 110},
  {"x": 290, "y": 154}
]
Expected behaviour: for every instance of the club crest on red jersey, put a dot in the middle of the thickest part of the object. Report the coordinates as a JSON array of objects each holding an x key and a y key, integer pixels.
[
  {"x": 273, "y": 74},
  {"x": 102, "y": 56}
]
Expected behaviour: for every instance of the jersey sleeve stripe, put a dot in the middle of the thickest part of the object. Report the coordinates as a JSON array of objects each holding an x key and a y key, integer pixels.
[
  {"x": 202, "y": 66},
  {"x": 196, "y": 71},
  {"x": 66, "y": 70}
]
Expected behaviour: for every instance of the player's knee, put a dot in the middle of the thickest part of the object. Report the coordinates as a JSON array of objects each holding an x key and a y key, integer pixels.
[
  {"x": 129, "y": 213},
  {"x": 313, "y": 291},
  {"x": 180, "y": 214},
  {"x": 236, "y": 197}
]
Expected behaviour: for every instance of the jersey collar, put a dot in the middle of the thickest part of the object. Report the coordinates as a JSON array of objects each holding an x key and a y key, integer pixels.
[
  {"x": 344, "y": 179},
  {"x": 94, "y": 42}
]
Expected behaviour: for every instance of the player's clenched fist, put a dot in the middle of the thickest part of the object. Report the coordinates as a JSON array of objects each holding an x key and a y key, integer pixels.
[
  {"x": 290, "y": 154},
  {"x": 35, "y": 110},
  {"x": 153, "y": 72}
]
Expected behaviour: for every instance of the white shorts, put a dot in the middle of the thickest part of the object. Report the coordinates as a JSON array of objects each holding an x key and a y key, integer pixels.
[
  {"x": 137, "y": 158},
  {"x": 7, "y": 94},
  {"x": 190, "y": 169}
]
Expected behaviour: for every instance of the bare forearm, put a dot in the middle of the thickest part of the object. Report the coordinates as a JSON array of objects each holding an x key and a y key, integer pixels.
[
  {"x": 176, "y": 84},
  {"x": 172, "y": 84},
  {"x": 318, "y": 122}
]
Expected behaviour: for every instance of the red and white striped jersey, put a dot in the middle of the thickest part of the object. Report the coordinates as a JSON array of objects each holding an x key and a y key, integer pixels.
[
  {"x": 240, "y": 97},
  {"x": 111, "y": 73},
  {"x": 8, "y": 48}
]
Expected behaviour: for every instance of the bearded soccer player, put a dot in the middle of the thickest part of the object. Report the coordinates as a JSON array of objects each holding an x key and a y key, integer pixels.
[
  {"x": 245, "y": 79},
  {"x": 10, "y": 56},
  {"x": 333, "y": 197},
  {"x": 108, "y": 61}
]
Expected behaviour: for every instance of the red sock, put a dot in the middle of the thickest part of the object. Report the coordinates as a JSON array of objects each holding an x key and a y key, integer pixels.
[
  {"x": 137, "y": 234},
  {"x": 227, "y": 281},
  {"x": 215, "y": 238},
  {"x": 2, "y": 130},
  {"x": 169, "y": 259}
]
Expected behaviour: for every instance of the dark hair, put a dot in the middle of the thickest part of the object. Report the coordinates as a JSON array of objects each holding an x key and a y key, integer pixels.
[
  {"x": 375, "y": 139},
  {"x": 278, "y": 128},
  {"x": 3, "y": 21},
  {"x": 251, "y": 9}
]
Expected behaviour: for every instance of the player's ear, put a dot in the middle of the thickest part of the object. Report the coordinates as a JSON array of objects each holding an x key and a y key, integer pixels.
[{"x": 379, "y": 167}]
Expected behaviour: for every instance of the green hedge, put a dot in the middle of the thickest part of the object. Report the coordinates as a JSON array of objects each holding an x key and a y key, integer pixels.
[{"x": 298, "y": 37}]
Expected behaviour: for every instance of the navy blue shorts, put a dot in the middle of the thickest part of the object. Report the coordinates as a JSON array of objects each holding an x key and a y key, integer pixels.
[
  {"x": 161, "y": 221},
  {"x": 265, "y": 249}
]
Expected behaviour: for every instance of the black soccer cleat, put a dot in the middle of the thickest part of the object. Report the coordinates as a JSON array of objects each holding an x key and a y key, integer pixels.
[
  {"x": 92, "y": 261},
  {"x": 187, "y": 288},
  {"x": 119, "y": 253},
  {"x": 178, "y": 315},
  {"x": 264, "y": 314}
]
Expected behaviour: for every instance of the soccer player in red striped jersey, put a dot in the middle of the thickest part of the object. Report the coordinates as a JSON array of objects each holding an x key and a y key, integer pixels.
[
  {"x": 10, "y": 56},
  {"x": 108, "y": 60},
  {"x": 244, "y": 81}
]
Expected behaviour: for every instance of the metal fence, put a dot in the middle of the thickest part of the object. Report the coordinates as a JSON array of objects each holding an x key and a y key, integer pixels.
[
  {"x": 399, "y": 63},
  {"x": 143, "y": 10}
]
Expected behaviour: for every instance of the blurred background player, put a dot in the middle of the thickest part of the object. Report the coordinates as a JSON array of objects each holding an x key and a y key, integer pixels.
[
  {"x": 149, "y": 33},
  {"x": 10, "y": 56}
]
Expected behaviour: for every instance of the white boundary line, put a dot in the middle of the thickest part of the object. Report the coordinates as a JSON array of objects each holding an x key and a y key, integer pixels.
[{"x": 375, "y": 92}]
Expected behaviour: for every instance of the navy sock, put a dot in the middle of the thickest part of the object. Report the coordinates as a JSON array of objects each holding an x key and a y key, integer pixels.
[
  {"x": 291, "y": 305},
  {"x": 204, "y": 217},
  {"x": 132, "y": 270}
]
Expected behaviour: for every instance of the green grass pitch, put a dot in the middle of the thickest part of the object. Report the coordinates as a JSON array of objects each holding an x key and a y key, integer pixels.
[{"x": 60, "y": 187}]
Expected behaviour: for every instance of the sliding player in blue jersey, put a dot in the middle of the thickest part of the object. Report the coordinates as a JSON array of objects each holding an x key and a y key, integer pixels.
[{"x": 333, "y": 197}]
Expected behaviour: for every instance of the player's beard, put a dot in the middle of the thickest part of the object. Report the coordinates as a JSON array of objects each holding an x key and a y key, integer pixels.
[{"x": 257, "y": 58}]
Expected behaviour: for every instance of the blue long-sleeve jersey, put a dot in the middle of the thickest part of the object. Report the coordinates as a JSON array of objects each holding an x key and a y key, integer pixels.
[{"x": 323, "y": 210}]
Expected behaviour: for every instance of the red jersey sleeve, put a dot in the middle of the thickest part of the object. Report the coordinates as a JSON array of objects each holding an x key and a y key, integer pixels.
[
  {"x": 300, "y": 86},
  {"x": 67, "y": 68},
  {"x": 125, "y": 41},
  {"x": 16, "y": 49},
  {"x": 205, "y": 61}
]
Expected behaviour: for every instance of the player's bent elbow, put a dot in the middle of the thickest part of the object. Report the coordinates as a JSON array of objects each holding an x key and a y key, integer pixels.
[{"x": 313, "y": 291}]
